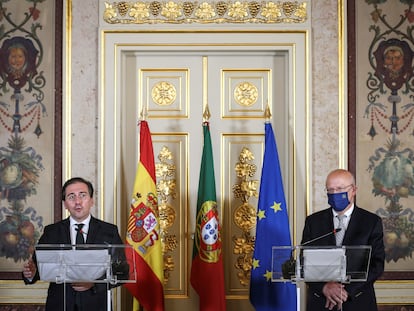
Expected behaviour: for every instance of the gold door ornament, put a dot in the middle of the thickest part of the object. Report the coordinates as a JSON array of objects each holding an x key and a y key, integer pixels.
[
  {"x": 166, "y": 184},
  {"x": 246, "y": 94},
  {"x": 164, "y": 93},
  {"x": 245, "y": 215}
]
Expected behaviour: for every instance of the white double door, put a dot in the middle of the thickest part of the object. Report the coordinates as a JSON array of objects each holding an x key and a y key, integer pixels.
[{"x": 173, "y": 81}]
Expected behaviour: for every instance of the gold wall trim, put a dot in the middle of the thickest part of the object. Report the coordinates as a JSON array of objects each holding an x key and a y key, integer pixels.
[
  {"x": 67, "y": 110},
  {"x": 343, "y": 112},
  {"x": 207, "y": 12}
]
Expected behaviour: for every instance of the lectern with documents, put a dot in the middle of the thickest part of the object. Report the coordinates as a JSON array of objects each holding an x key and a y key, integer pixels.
[
  {"x": 320, "y": 263},
  {"x": 343, "y": 264},
  {"x": 108, "y": 264}
]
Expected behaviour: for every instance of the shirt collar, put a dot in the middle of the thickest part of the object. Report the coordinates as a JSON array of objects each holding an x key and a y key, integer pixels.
[
  {"x": 85, "y": 221},
  {"x": 347, "y": 213}
]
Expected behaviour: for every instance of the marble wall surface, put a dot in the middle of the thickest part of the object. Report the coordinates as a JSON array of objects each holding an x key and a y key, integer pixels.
[
  {"x": 325, "y": 88},
  {"x": 325, "y": 96}
]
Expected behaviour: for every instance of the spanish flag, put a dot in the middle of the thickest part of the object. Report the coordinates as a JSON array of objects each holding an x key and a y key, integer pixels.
[
  {"x": 207, "y": 274},
  {"x": 143, "y": 230}
]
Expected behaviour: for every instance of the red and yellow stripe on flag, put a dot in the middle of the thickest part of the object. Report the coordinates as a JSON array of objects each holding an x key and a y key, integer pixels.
[{"x": 143, "y": 230}]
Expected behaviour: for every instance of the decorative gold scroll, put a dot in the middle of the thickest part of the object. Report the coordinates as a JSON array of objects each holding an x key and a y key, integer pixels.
[
  {"x": 245, "y": 215},
  {"x": 206, "y": 12},
  {"x": 166, "y": 190}
]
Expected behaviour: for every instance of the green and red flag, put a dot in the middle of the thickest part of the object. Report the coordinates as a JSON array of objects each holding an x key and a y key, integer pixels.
[
  {"x": 207, "y": 274},
  {"x": 143, "y": 230}
]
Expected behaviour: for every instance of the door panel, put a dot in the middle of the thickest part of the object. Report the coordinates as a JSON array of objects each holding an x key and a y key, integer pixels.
[
  {"x": 170, "y": 86},
  {"x": 174, "y": 78},
  {"x": 243, "y": 84}
]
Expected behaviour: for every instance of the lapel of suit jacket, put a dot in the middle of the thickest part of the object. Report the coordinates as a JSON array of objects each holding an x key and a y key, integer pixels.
[
  {"x": 66, "y": 229},
  {"x": 325, "y": 225},
  {"x": 352, "y": 226},
  {"x": 92, "y": 231},
  {"x": 329, "y": 220}
]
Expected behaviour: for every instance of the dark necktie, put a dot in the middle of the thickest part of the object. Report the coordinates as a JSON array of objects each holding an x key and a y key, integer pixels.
[
  {"x": 79, "y": 234},
  {"x": 79, "y": 240}
]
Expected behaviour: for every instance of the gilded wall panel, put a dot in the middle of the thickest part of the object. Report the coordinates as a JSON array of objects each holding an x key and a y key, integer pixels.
[
  {"x": 245, "y": 92},
  {"x": 242, "y": 155},
  {"x": 165, "y": 92},
  {"x": 171, "y": 163}
]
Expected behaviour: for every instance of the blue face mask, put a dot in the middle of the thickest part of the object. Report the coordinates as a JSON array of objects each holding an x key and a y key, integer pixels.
[{"x": 338, "y": 201}]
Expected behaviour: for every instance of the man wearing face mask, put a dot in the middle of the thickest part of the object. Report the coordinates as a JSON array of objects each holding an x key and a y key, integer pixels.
[{"x": 360, "y": 227}]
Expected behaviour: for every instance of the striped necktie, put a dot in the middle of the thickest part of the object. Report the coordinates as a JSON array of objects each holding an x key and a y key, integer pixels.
[{"x": 340, "y": 235}]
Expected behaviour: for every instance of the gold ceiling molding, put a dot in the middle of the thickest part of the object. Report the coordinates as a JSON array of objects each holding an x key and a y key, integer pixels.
[{"x": 207, "y": 12}]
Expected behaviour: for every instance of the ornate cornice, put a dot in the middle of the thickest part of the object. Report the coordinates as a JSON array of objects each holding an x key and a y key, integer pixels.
[{"x": 207, "y": 12}]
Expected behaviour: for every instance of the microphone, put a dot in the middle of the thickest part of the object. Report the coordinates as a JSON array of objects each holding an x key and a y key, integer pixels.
[
  {"x": 334, "y": 231},
  {"x": 289, "y": 266}
]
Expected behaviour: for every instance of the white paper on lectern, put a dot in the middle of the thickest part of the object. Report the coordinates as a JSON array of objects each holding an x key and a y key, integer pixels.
[
  {"x": 72, "y": 265},
  {"x": 324, "y": 264}
]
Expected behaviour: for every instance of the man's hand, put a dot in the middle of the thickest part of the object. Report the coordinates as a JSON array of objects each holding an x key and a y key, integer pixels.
[
  {"x": 29, "y": 269},
  {"x": 335, "y": 294}
]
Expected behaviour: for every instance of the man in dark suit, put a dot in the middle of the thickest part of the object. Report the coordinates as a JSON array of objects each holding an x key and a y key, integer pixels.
[
  {"x": 361, "y": 228},
  {"x": 77, "y": 196}
]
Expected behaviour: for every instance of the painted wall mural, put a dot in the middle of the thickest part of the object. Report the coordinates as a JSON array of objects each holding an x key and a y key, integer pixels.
[
  {"x": 23, "y": 106},
  {"x": 385, "y": 130}
]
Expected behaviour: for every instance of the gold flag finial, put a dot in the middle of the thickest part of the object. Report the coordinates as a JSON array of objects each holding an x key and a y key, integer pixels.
[
  {"x": 206, "y": 114},
  {"x": 143, "y": 113},
  {"x": 268, "y": 114}
]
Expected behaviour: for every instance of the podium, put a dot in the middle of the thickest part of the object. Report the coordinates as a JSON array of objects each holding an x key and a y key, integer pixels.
[
  {"x": 113, "y": 265},
  {"x": 343, "y": 264},
  {"x": 300, "y": 264}
]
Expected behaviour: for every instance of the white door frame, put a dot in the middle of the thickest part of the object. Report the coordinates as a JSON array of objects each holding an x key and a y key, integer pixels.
[{"x": 114, "y": 44}]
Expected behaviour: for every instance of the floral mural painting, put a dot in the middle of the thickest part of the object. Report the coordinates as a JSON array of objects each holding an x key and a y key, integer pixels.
[
  {"x": 390, "y": 111},
  {"x": 21, "y": 110}
]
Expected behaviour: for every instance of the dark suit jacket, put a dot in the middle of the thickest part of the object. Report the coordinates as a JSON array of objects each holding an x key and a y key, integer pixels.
[
  {"x": 364, "y": 228},
  {"x": 94, "y": 299}
]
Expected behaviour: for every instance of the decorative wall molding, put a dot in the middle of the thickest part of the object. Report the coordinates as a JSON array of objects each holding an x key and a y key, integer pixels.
[{"x": 206, "y": 12}]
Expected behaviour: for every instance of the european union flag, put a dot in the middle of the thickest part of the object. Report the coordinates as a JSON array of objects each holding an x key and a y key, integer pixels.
[{"x": 272, "y": 229}]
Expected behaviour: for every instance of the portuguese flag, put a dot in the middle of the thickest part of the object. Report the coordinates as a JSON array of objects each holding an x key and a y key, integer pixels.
[{"x": 207, "y": 274}]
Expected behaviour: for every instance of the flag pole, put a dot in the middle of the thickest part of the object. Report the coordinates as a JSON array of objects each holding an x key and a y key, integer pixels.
[
  {"x": 272, "y": 221},
  {"x": 143, "y": 116},
  {"x": 148, "y": 288},
  {"x": 207, "y": 274},
  {"x": 268, "y": 116}
]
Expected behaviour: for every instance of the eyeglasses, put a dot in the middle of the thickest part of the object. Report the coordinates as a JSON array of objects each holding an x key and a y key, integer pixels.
[
  {"x": 82, "y": 196},
  {"x": 338, "y": 190}
]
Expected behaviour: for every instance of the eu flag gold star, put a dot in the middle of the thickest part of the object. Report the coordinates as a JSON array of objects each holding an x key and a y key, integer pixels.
[
  {"x": 268, "y": 275},
  {"x": 255, "y": 263},
  {"x": 276, "y": 207},
  {"x": 261, "y": 214}
]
